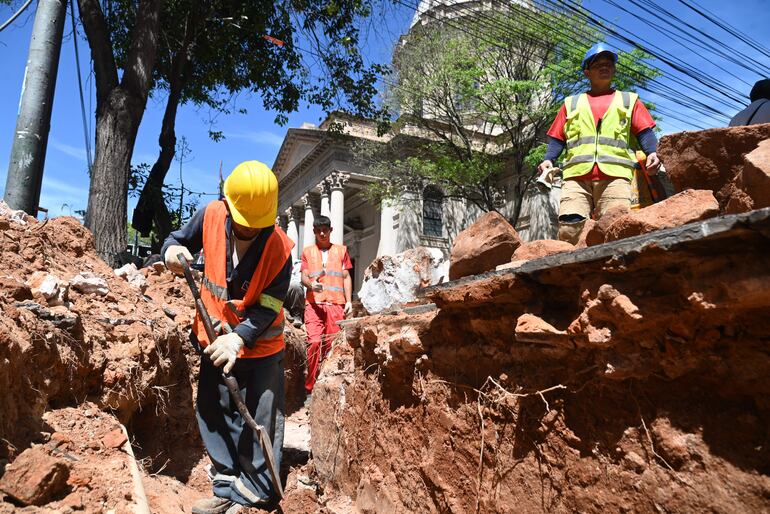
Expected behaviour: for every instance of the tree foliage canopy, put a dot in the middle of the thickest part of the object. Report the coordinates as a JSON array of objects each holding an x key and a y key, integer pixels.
[
  {"x": 208, "y": 52},
  {"x": 286, "y": 51}
]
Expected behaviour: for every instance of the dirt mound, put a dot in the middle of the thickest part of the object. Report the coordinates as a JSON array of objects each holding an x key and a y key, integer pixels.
[
  {"x": 83, "y": 351},
  {"x": 714, "y": 159},
  {"x": 634, "y": 382}
]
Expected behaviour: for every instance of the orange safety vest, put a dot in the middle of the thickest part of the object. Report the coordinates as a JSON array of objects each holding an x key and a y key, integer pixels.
[
  {"x": 334, "y": 284},
  {"x": 214, "y": 287}
]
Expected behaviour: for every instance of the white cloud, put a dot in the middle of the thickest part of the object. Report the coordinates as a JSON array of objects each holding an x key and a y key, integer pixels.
[
  {"x": 73, "y": 151},
  {"x": 62, "y": 197},
  {"x": 262, "y": 137}
]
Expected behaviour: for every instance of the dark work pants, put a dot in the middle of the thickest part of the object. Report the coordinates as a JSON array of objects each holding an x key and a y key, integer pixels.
[{"x": 241, "y": 471}]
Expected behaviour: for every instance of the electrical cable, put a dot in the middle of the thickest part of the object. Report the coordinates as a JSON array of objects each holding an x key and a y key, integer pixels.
[
  {"x": 704, "y": 109},
  {"x": 702, "y": 11},
  {"x": 575, "y": 7},
  {"x": 733, "y": 52},
  {"x": 15, "y": 15},
  {"x": 684, "y": 36},
  {"x": 80, "y": 88}
]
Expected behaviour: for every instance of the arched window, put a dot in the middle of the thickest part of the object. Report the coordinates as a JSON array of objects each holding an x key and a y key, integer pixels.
[{"x": 432, "y": 212}]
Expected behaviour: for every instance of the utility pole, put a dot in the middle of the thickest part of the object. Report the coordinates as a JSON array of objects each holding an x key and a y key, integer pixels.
[{"x": 25, "y": 171}]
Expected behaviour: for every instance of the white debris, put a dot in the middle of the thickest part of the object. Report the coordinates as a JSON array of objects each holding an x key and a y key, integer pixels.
[
  {"x": 87, "y": 282},
  {"x": 133, "y": 276},
  {"x": 392, "y": 281},
  {"x": 19, "y": 217},
  {"x": 49, "y": 286}
]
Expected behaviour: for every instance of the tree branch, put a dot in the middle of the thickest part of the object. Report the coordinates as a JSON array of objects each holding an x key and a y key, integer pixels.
[{"x": 98, "y": 37}]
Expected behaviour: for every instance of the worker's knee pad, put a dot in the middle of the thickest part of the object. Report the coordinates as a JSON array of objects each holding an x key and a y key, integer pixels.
[{"x": 570, "y": 227}]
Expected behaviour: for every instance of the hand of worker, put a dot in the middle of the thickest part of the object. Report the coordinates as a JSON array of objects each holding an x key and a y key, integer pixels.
[
  {"x": 316, "y": 286},
  {"x": 652, "y": 164},
  {"x": 171, "y": 260},
  {"x": 545, "y": 165},
  {"x": 224, "y": 350},
  {"x": 348, "y": 308}
]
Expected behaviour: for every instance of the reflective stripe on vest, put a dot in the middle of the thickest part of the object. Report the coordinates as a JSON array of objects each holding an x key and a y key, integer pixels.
[
  {"x": 609, "y": 147},
  {"x": 214, "y": 293},
  {"x": 331, "y": 275}
]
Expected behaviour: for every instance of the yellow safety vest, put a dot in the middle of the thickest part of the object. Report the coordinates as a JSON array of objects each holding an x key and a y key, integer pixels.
[{"x": 609, "y": 145}]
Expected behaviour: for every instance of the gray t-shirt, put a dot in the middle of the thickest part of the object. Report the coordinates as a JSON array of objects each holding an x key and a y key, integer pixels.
[{"x": 756, "y": 113}]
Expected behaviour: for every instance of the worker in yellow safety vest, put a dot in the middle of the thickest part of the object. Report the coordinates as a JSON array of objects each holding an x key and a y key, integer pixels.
[{"x": 600, "y": 130}]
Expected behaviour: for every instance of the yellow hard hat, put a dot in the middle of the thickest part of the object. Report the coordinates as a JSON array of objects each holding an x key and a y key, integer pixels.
[{"x": 251, "y": 191}]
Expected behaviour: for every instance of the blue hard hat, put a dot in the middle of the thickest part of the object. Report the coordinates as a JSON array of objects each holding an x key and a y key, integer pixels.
[{"x": 597, "y": 49}]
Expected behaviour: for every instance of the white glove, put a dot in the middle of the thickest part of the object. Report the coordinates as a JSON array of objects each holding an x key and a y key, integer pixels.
[
  {"x": 316, "y": 286},
  {"x": 348, "y": 308},
  {"x": 225, "y": 350},
  {"x": 171, "y": 260}
]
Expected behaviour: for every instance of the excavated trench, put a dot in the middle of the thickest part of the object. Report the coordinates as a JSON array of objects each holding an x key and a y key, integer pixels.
[{"x": 82, "y": 358}]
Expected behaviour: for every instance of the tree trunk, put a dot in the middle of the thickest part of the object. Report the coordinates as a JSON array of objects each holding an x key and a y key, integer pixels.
[
  {"x": 151, "y": 205},
  {"x": 119, "y": 110},
  {"x": 116, "y": 128}
]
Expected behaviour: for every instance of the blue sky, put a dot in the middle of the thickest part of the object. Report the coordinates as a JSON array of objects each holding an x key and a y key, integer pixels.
[{"x": 255, "y": 136}]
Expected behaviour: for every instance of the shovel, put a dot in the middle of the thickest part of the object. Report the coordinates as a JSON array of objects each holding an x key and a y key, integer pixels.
[{"x": 232, "y": 384}]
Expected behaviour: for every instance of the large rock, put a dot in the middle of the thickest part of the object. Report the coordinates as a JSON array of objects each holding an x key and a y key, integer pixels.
[
  {"x": 682, "y": 208},
  {"x": 754, "y": 179},
  {"x": 35, "y": 478},
  {"x": 532, "y": 250},
  {"x": 711, "y": 159},
  {"x": 490, "y": 241},
  {"x": 392, "y": 281},
  {"x": 597, "y": 233}
]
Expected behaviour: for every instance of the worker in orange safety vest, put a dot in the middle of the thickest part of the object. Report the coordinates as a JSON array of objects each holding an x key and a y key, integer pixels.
[
  {"x": 245, "y": 279},
  {"x": 326, "y": 275}
]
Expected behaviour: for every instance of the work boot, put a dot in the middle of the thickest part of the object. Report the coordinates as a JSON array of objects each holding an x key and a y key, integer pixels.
[{"x": 213, "y": 505}]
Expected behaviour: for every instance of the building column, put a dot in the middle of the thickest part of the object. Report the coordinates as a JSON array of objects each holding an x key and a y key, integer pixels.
[
  {"x": 409, "y": 229},
  {"x": 324, "y": 188},
  {"x": 387, "y": 245},
  {"x": 337, "y": 182},
  {"x": 308, "y": 239},
  {"x": 292, "y": 231}
]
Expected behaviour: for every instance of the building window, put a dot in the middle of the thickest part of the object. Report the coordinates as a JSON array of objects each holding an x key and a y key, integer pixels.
[{"x": 432, "y": 212}]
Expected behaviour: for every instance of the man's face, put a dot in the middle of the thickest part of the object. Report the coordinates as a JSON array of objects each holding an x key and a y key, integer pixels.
[
  {"x": 601, "y": 70},
  {"x": 242, "y": 232},
  {"x": 322, "y": 234}
]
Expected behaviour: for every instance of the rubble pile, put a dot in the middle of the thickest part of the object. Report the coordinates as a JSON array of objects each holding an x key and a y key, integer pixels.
[
  {"x": 86, "y": 352},
  {"x": 627, "y": 373},
  {"x": 733, "y": 162}
]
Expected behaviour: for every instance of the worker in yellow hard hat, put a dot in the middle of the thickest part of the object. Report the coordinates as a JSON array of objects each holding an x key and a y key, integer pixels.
[{"x": 245, "y": 278}]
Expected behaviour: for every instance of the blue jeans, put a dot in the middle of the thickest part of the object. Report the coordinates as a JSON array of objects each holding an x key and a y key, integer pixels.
[{"x": 241, "y": 470}]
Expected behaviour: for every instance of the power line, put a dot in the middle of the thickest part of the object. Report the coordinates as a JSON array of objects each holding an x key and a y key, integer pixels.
[
  {"x": 80, "y": 89},
  {"x": 704, "y": 109},
  {"x": 702, "y": 11},
  {"x": 603, "y": 23},
  {"x": 669, "y": 15},
  {"x": 686, "y": 36},
  {"x": 15, "y": 15}
]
